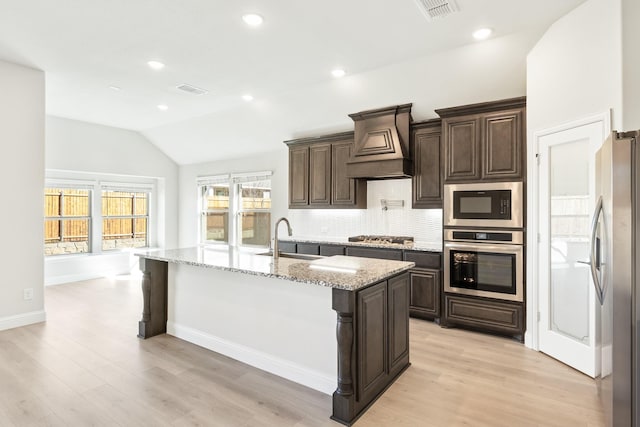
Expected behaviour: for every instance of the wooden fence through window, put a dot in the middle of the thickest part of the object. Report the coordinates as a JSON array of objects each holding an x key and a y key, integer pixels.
[{"x": 68, "y": 215}]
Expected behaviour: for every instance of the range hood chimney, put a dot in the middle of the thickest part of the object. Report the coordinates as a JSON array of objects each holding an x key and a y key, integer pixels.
[{"x": 381, "y": 144}]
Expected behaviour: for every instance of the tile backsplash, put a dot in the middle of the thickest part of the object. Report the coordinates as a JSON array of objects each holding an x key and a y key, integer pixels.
[{"x": 425, "y": 225}]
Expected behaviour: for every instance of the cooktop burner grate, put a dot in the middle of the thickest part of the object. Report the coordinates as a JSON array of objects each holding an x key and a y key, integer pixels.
[{"x": 382, "y": 239}]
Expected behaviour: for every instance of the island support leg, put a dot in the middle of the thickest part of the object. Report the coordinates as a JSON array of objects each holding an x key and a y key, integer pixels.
[
  {"x": 154, "y": 298},
  {"x": 344, "y": 398}
]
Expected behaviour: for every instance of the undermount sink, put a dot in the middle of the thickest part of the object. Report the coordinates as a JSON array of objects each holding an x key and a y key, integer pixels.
[{"x": 293, "y": 256}]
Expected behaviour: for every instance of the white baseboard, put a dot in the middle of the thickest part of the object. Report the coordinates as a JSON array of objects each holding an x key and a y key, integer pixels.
[
  {"x": 267, "y": 362},
  {"x": 23, "y": 319}
]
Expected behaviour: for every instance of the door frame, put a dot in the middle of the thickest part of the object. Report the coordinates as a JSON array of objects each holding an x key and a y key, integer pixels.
[{"x": 531, "y": 336}]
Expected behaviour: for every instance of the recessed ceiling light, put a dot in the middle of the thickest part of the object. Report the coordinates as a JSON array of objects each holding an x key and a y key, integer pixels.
[
  {"x": 337, "y": 73},
  {"x": 247, "y": 97},
  {"x": 252, "y": 19},
  {"x": 163, "y": 107},
  {"x": 482, "y": 33},
  {"x": 156, "y": 65},
  {"x": 116, "y": 88}
]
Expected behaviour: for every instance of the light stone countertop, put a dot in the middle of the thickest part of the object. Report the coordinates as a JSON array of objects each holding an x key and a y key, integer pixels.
[
  {"x": 342, "y": 272},
  {"x": 415, "y": 246}
]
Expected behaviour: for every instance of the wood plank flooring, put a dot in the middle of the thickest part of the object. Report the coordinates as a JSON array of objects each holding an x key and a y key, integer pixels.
[{"x": 85, "y": 367}]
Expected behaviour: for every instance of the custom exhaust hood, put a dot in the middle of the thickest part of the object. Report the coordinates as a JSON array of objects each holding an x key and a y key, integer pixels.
[{"x": 381, "y": 147}]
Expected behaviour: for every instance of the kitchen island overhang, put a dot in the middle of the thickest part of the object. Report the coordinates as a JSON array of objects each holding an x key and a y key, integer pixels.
[{"x": 278, "y": 316}]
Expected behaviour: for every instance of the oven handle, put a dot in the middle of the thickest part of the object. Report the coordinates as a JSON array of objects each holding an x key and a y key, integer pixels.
[{"x": 484, "y": 247}]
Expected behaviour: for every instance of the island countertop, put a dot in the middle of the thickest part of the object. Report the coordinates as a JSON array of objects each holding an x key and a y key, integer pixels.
[{"x": 341, "y": 272}]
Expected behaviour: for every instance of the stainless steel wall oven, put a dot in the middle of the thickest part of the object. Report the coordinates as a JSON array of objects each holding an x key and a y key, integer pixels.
[{"x": 484, "y": 263}]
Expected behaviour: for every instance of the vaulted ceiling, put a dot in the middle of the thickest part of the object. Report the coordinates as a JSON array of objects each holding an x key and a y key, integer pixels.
[{"x": 390, "y": 52}]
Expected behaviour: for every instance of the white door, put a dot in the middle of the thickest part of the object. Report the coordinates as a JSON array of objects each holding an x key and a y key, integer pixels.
[{"x": 567, "y": 300}]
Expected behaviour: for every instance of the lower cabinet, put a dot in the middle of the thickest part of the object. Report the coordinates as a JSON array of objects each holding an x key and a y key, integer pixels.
[
  {"x": 484, "y": 314},
  {"x": 425, "y": 293},
  {"x": 373, "y": 343}
]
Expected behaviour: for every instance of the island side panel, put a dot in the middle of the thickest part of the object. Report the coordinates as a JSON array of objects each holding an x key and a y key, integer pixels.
[
  {"x": 154, "y": 298},
  {"x": 280, "y": 326}
]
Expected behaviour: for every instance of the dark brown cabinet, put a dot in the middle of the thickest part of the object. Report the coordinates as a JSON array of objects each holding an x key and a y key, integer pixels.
[
  {"x": 427, "y": 165},
  {"x": 484, "y": 314},
  {"x": 484, "y": 141},
  {"x": 330, "y": 250},
  {"x": 298, "y": 176},
  {"x": 425, "y": 293},
  {"x": 383, "y": 333},
  {"x": 345, "y": 191},
  {"x": 392, "y": 254},
  {"x": 318, "y": 174},
  {"x": 379, "y": 316}
]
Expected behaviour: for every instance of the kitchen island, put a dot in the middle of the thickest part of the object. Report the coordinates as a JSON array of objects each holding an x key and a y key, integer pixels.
[{"x": 278, "y": 315}]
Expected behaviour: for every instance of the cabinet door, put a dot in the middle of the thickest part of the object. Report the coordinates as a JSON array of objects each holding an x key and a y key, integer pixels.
[
  {"x": 503, "y": 145},
  {"x": 372, "y": 332},
  {"x": 345, "y": 192},
  {"x": 298, "y": 176},
  {"x": 320, "y": 174},
  {"x": 427, "y": 179},
  {"x": 461, "y": 148},
  {"x": 398, "y": 323},
  {"x": 425, "y": 292}
]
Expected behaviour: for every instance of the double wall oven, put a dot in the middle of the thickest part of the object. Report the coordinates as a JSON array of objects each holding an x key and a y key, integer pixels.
[{"x": 484, "y": 240}]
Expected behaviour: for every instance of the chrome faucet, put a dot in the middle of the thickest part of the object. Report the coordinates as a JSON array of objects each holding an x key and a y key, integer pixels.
[{"x": 276, "y": 253}]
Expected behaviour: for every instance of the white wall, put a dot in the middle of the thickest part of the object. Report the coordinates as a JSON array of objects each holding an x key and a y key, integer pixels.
[
  {"x": 424, "y": 225},
  {"x": 105, "y": 151},
  {"x": 573, "y": 72},
  {"x": 631, "y": 64},
  {"x": 22, "y": 177},
  {"x": 275, "y": 161}
]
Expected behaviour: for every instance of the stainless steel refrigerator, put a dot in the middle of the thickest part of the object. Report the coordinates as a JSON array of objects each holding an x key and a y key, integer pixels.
[{"x": 615, "y": 261}]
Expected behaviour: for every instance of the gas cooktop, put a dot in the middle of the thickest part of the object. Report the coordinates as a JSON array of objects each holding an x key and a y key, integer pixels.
[{"x": 382, "y": 240}]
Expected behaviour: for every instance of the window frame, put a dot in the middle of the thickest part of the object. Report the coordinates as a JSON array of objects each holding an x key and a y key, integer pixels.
[
  {"x": 96, "y": 183},
  {"x": 234, "y": 210},
  {"x": 133, "y": 216},
  {"x": 61, "y": 185}
]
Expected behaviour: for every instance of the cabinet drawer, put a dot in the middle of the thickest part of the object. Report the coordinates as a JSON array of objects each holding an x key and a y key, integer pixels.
[
  {"x": 330, "y": 250},
  {"x": 309, "y": 248},
  {"x": 289, "y": 247},
  {"x": 424, "y": 259},
  {"x": 393, "y": 254},
  {"x": 492, "y": 315}
]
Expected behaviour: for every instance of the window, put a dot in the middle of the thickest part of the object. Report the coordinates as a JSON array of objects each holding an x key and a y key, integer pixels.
[
  {"x": 67, "y": 220},
  {"x": 125, "y": 219},
  {"x": 93, "y": 216},
  {"x": 236, "y": 209},
  {"x": 255, "y": 212},
  {"x": 215, "y": 211}
]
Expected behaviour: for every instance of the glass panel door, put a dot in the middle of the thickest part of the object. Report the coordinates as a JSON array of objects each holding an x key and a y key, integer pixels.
[{"x": 567, "y": 304}]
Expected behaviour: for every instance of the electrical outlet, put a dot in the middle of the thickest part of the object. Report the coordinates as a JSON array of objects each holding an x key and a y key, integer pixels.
[
  {"x": 324, "y": 230},
  {"x": 28, "y": 294}
]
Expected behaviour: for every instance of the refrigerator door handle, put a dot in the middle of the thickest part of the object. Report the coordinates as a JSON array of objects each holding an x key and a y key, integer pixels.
[{"x": 594, "y": 256}]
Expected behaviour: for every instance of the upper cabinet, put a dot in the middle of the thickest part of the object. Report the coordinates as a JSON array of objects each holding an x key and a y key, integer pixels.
[
  {"x": 484, "y": 141},
  {"x": 318, "y": 174},
  {"x": 427, "y": 161}
]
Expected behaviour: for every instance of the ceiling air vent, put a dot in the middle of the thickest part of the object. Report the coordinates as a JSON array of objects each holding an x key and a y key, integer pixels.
[
  {"x": 433, "y": 9},
  {"x": 191, "y": 89}
]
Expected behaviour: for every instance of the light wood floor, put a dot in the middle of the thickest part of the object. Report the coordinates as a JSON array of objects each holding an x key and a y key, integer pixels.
[{"x": 85, "y": 366}]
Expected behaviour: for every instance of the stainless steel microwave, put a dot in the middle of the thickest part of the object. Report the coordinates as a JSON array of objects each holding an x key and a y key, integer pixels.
[{"x": 491, "y": 204}]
